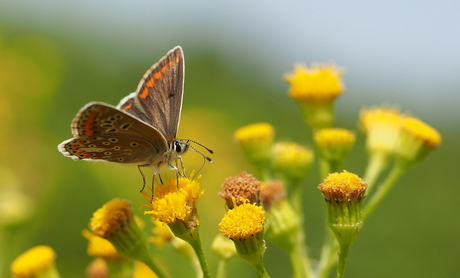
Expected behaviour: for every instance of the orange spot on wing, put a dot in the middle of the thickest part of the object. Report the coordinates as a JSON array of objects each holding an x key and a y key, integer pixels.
[
  {"x": 87, "y": 155},
  {"x": 145, "y": 93},
  {"x": 150, "y": 83},
  {"x": 177, "y": 60},
  {"x": 129, "y": 106},
  {"x": 157, "y": 75},
  {"x": 88, "y": 133}
]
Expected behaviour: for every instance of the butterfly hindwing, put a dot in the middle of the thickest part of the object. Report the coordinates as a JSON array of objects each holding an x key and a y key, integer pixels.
[
  {"x": 108, "y": 148},
  {"x": 103, "y": 132}
]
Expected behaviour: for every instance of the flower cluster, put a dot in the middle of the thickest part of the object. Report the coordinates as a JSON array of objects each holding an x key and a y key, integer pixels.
[{"x": 266, "y": 205}]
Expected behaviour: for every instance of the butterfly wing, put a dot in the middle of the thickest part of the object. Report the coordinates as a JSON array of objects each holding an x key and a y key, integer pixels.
[
  {"x": 102, "y": 132},
  {"x": 158, "y": 98}
]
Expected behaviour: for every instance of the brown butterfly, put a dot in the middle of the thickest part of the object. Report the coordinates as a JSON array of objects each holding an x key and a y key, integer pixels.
[{"x": 142, "y": 128}]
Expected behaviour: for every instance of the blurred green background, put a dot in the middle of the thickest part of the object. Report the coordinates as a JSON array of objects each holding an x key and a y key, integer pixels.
[{"x": 57, "y": 56}]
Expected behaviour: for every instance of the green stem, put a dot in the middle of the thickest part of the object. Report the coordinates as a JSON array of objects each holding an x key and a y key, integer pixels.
[
  {"x": 295, "y": 199},
  {"x": 153, "y": 266},
  {"x": 299, "y": 260},
  {"x": 298, "y": 254},
  {"x": 343, "y": 258},
  {"x": 378, "y": 161},
  {"x": 260, "y": 269},
  {"x": 197, "y": 246},
  {"x": 324, "y": 168},
  {"x": 383, "y": 190},
  {"x": 221, "y": 269},
  {"x": 328, "y": 254}
]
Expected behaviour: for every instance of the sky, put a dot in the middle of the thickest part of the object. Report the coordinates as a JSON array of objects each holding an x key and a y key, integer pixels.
[{"x": 396, "y": 51}]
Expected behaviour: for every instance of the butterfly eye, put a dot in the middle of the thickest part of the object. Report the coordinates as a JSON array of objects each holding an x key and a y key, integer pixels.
[{"x": 178, "y": 147}]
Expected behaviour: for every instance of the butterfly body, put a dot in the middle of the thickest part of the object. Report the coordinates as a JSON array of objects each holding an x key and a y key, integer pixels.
[{"x": 142, "y": 128}]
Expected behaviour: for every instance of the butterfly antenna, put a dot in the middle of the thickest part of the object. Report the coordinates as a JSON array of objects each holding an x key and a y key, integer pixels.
[
  {"x": 187, "y": 141},
  {"x": 201, "y": 145}
]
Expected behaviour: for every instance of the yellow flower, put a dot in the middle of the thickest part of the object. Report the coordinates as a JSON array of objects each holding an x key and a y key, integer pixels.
[
  {"x": 343, "y": 187},
  {"x": 242, "y": 187},
  {"x": 100, "y": 247},
  {"x": 417, "y": 139},
  {"x": 382, "y": 126},
  {"x": 315, "y": 89},
  {"x": 256, "y": 141},
  {"x": 115, "y": 222},
  {"x": 344, "y": 193},
  {"x": 291, "y": 160},
  {"x": 176, "y": 201},
  {"x": 38, "y": 261},
  {"x": 111, "y": 218},
  {"x": 243, "y": 221},
  {"x": 244, "y": 225},
  {"x": 321, "y": 82},
  {"x": 334, "y": 143}
]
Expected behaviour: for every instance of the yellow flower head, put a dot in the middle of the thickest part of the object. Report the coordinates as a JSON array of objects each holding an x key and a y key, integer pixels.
[
  {"x": 176, "y": 200},
  {"x": 100, "y": 247},
  {"x": 243, "y": 221},
  {"x": 334, "y": 143},
  {"x": 315, "y": 90},
  {"x": 417, "y": 140},
  {"x": 241, "y": 187},
  {"x": 291, "y": 160},
  {"x": 382, "y": 126},
  {"x": 115, "y": 222},
  {"x": 422, "y": 132},
  {"x": 319, "y": 83},
  {"x": 34, "y": 262},
  {"x": 256, "y": 141},
  {"x": 343, "y": 187},
  {"x": 344, "y": 193},
  {"x": 109, "y": 219},
  {"x": 255, "y": 134}
]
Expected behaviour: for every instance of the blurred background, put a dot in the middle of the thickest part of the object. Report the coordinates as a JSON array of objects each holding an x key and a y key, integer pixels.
[{"x": 56, "y": 56}]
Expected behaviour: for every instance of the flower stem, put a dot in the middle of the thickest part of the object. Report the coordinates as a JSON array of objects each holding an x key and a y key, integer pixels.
[
  {"x": 298, "y": 254},
  {"x": 153, "y": 266},
  {"x": 377, "y": 163},
  {"x": 221, "y": 268},
  {"x": 383, "y": 190},
  {"x": 328, "y": 254},
  {"x": 343, "y": 258},
  {"x": 299, "y": 260},
  {"x": 197, "y": 246}
]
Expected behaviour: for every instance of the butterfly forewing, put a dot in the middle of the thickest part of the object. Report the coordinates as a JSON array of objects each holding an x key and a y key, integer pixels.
[{"x": 158, "y": 97}]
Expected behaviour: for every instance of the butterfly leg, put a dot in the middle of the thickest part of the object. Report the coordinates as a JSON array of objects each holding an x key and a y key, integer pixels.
[
  {"x": 179, "y": 167},
  {"x": 143, "y": 176}
]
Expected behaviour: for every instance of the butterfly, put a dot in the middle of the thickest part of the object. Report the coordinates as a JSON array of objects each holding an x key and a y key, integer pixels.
[{"x": 142, "y": 128}]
